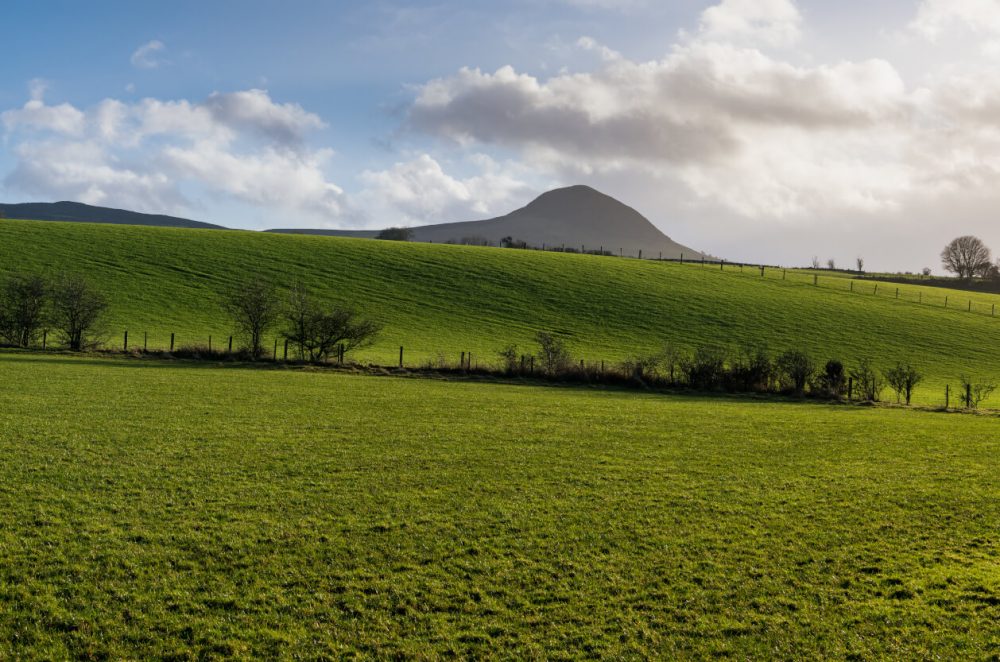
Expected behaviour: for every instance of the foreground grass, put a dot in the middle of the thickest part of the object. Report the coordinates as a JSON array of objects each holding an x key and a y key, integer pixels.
[{"x": 157, "y": 510}]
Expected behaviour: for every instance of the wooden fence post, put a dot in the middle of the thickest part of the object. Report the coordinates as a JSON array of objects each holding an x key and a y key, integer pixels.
[
  {"x": 968, "y": 396},
  {"x": 145, "y": 340},
  {"x": 852, "y": 286},
  {"x": 400, "y": 356},
  {"x": 45, "y": 337},
  {"x": 876, "y": 289},
  {"x": 850, "y": 389},
  {"x": 920, "y": 297},
  {"x": 275, "y": 355},
  {"x": 286, "y": 349},
  {"x": 970, "y": 305},
  {"x": 722, "y": 265},
  {"x": 461, "y": 362},
  {"x": 125, "y": 344},
  {"x": 171, "y": 343},
  {"x": 230, "y": 344},
  {"x": 946, "y": 302},
  {"x": 816, "y": 279},
  {"x": 947, "y": 395},
  {"x": 994, "y": 313},
  {"x": 762, "y": 271},
  {"x": 682, "y": 258},
  {"x": 209, "y": 344},
  {"x": 784, "y": 272}
]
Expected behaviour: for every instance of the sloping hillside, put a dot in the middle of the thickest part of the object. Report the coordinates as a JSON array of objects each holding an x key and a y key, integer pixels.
[
  {"x": 448, "y": 299},
  {"x": 77, "y": 212}
]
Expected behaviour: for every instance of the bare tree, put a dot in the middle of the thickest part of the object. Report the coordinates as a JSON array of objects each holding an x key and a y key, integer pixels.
[
  {"x": 831, "y": 264},
  {"x": 23, "y": 302},
  {"x": 254, "y": 308},
  {"x": 967, "y": 257},
  {"x": 815, "y": 262},
  {"x": 902, "y": 380},
  {"x": 860, "y": 262},
  {"x": 553, "y": 354},
  {"x": 77, "y": 309},
  {"x": 976, "y": 391},
  {"x": 318, "y": 331},
  {"x": 868, "y": 381}
]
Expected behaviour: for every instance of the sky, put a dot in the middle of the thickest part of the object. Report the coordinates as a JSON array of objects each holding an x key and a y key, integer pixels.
[{"x": 757, "y": 130}]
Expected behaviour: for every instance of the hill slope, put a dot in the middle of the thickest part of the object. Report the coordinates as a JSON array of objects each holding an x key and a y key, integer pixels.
[
  {"x": 77, "y": 212},
  {"x": 576, "y": 216},
  {"x": 448, "y": 299}
]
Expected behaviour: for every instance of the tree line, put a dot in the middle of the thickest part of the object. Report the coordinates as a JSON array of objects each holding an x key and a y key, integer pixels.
[
  {"x": 73, "y": 309},
  {"x": 752, "y": 369}
]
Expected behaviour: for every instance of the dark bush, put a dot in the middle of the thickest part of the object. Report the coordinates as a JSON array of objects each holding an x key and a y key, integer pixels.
[
  {"x": 795, "y": 369},
  {"x": 642, "y": 368},
  {"x": 510, "y": 361},
  {"x": 832, "y": 381},
  {"x": 23, "y": 303},
  {"x": 752, "y": 371},
  {"x": 395, "y": 234},
  {"x": 705, "y": 370}
]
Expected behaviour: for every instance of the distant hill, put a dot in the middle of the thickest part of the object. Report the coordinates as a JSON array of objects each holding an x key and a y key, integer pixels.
[
  {"x": 578, "y": 217},
  {"x": 77, "y": 212}
]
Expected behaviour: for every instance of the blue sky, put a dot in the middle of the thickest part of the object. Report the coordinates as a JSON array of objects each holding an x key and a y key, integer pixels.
[{"x": 757, "y": 129}]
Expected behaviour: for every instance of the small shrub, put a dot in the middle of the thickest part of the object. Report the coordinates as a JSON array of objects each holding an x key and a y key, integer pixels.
[
  {"x": 902, "y": 380},
  {"x": 395, "y": 234},
  {"x": 752, "y": 371},
  {"x": 642, "y": 367},
  {"x": 509, "y": 359},
  {"x": 832, "y": 380},
  {"x": 795, "y": 369},
  {"x": 553, "y": 355},
  {"x": 705, "y": 370},
  {"x": 867, "y": 381},
  {"x": 974, "y": 392}
]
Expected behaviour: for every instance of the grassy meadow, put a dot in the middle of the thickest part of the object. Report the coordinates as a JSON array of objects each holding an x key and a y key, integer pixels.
[
  {"x": 440, "y": 300},
  {"x": 171, "y": 510}
]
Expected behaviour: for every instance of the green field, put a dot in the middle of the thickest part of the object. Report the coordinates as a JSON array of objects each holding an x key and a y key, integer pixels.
[
  {"x": 170, "y": 510},
  {"x": 443, "y": 300}
]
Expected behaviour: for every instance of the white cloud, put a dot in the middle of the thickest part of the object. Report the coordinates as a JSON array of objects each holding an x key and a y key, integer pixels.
[
  {"x": 420, "y": 191},
  {"x": 732, "y": 123},
  {"x": 934, "y": 17},
  {"x": 241, "y": 145},
  {"x": 148, "y": 56},
  {"x": 771, "y": 22}
]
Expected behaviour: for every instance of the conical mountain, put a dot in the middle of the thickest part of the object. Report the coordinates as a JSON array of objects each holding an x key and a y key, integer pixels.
[{"x": 576, "y": 217}]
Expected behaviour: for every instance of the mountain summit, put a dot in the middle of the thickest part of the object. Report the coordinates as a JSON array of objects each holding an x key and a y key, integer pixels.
[{"x": 578, "y": 217}]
